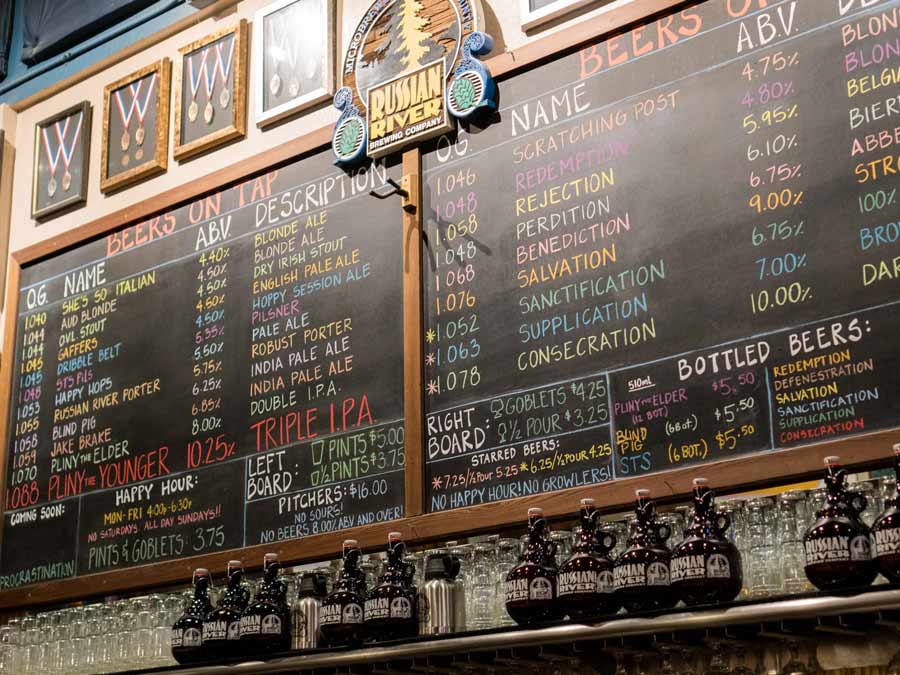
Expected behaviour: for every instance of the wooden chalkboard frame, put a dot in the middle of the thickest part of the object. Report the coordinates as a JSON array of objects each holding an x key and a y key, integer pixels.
[{"x": 727, "y": 475}]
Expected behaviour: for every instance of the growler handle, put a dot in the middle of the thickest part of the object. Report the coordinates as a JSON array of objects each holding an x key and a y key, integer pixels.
[
  {"x": 723, "y": 523},
  {"x": 858, "y": 501},
  {"x": 606, "y": 541},
  {"x": 663, "y": 531}
]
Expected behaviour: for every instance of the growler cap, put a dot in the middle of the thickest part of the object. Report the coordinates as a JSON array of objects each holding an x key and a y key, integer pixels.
[
  {"x": 395, "y": 537},
  {"x": 270, "y": 557},
  {"x": 832, "y": 460},
  {"x": 897, "y": 448},
  {"x": 535, "y": 512},
  {"x": 201, "y": 572},
  {"x": 350, "y": 543},
  {"x": 234, "y": 563},
  {"x": 587, "y": 501},
  {"x": 700, "y": 482},
  {"x": 642, "y": 493}
]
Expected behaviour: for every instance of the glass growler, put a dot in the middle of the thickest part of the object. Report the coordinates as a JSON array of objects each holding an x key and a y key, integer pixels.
[
  {"x": 641, "y": 572},
  {"x": 706, "y": 566},
  {"x": 390, "y": 609},
  {"x": 341, "y": 621},
  {"x": 222, "y": 628},
  {"x": 266, "y": 623},
  {"x": 886, "y": 531},
  {"x": 836, "y": 547},
  {"x": 187, "y": 631},
  {"x": 585, "y": 588},
  {"x": 531, "y": 585}
]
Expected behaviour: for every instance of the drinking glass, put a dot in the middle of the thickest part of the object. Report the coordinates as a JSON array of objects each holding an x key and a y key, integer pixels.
[
  {"x": 816, "y": 499},
  {"x": 874, "y": 503},
  {"x": 78, "y": 642},
  {"x": 793, "y": 519},
  {"x": 67, "y": 659},
  {"x": 160, "y": 641},
  {"x": 888, "y": 488},
  {"x": 676, "y": 524},
  {"x": 480, "y": 612},
  {"x": 46, "y": 662},
  {"x": 619, "y": 529},
  {"x": 507, "y": 558},
  {"x": 765, "y": 567},
  {"x": 563, "y": 540},
  {"x": 30, "y": 646},
  {"x": 465, "y": 553},
  {"x": 93, "y": 657},
  {"x": 125, "y": 652},
  {"x": 9, "y": 647}
]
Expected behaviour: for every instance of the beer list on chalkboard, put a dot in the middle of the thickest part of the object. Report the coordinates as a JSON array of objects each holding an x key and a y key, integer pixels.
[
  {"x": 229, "y": 373},
  {"x": 674, "y": 246}
]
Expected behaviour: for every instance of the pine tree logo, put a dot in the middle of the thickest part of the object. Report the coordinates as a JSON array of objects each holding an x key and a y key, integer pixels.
[{"x": 416, "y": 44}]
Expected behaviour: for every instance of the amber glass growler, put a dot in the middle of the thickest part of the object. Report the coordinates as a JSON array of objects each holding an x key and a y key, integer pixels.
[
  {"x": 341, "y": 622},
  {"x": 585, "y": 585},
  {"x": 836, "y": 547},
  {"x": 641, "y": 572},
  {"x": 706, "y": 566},
  {"x": 222, "y": 628},
  {"x": 187, "y": 631},
  {"x": 886, "y": 531},
  {"x": 390, "y": 609},
  {"x": 531, "y": 585},
  {"x": 266, "y": 623}
]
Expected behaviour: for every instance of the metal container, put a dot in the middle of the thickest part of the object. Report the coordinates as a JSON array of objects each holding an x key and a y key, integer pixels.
[
  {"x": 305, "y": 614},
  {"x": 442, "y": 599}
]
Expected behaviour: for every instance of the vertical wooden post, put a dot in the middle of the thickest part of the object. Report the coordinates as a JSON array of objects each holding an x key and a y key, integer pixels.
[
  {"x": 413, "y": 420},
  {"x": 8, "y": 359}
]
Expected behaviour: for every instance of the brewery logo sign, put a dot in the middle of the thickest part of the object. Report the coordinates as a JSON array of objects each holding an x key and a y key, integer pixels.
[{"x": 411, "y": 69}]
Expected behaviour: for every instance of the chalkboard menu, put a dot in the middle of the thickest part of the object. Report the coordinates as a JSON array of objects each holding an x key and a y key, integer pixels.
[
  {"x": 226, "y": 374},
  {"x": 668, "y": 248}
]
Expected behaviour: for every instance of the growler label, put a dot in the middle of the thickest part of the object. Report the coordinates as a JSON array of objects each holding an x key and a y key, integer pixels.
[
  {"x": 215, "y": 630},
  {"x": 516, "y": 590},
  {"x": 861, "y": 548},
  {"x": 177, "y": 637},
  {"x": 627, "y": 576},
  {"x": 657, "y": 574},
  {"x": 191, "y": 638},
  {"x": 378, "y": 608},
  {"x": 401, "y": 608},
  {"x": 827, "y": 549},
  {"x": 605, "y": 582},
  {"x": 250, "y": 625},
  {"x": 571, "y": 583},
  {"x": 718, "y": 567},
  {"x": 234, "y": 630},
  {"x": 271, "y": 624},
  {"x": 330, "y": 614},
  {"x": 540, "y": 588},
  {"x": 352, "y": 613},
  {"x": 886, "y": 542},
  {"x": 688, "y": 567}
]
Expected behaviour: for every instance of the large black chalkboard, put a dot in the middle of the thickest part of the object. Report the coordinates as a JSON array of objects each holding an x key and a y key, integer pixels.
[
  {"x": 670, "y": 247},
  {"x": 226, "y": 374}
]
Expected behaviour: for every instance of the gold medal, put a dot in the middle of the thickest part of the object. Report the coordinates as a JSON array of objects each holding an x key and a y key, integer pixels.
[
  {"x": 126, "y": 140},
  {"x": 275, "y": 84},
  {"x": 126, "y": 160},
  {"x": 139, "y": 135},
  {"x": 51, "y": 186},
  {"x": 67, "y": 181},
  {"x": 193, "y": 110},
  {"x": 225, "y": 99},
  {"x": 139, "y": 154},
  {"x": 208, "y": 112},
  {"x": 294, "y": 87}
]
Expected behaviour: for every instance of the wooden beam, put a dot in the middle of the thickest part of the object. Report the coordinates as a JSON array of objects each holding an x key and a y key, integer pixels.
[{"x": 413, "y": 421}]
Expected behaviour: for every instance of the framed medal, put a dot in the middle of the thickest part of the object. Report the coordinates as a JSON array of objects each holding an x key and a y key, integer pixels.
[
  {"x": 211, "y": 92},
  {"x": 136, "y": 127},
  {"x": 62, "y": 151},
  {"x": 293, "y": 57}
]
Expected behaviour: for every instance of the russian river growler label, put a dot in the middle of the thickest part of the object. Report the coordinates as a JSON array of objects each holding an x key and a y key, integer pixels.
[
  {"x": 837, "y": 549},
  {"x": 886, "y": 542},
  {"x": 589, "y": 581}
]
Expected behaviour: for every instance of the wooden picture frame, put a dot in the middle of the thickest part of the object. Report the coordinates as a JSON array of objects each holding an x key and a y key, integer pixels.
[
  {"x": 51, "y": 194},
  {"x": 157, "y": 77},
  {"x": 191, "y": 121},
  {"x": 534, "y": 18},
  {"x": 284, "y": 93}
]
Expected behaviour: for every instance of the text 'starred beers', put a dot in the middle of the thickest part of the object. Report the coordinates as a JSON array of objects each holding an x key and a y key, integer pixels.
[
  {"x": 222, "y": 628},
  {"x": 341, "y": 624},
  {"x": 531, "y": 585},
  {"x": 266, "y": 623},
  {"x": 187, "y": 631},
  {"x": 837, "y": 548},
  {"x": 585, "y": 588},
  {"x": 390, "y": 610},
  {"x": 886, "y": 531},
  {"x": 641, "y": 572},
  {"x": 706, "y": 567}
]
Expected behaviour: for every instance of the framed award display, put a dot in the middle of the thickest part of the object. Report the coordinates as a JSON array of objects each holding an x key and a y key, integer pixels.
[
  {"x": 293, "y": 57},
  {"x": 211, "y": 92},
  {"x": 62, "y": 151},
  {"x": 136, "y": 127}
]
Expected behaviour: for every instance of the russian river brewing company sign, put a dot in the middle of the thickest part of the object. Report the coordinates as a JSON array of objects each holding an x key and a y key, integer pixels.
[{"x": 410, "y": 69}]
